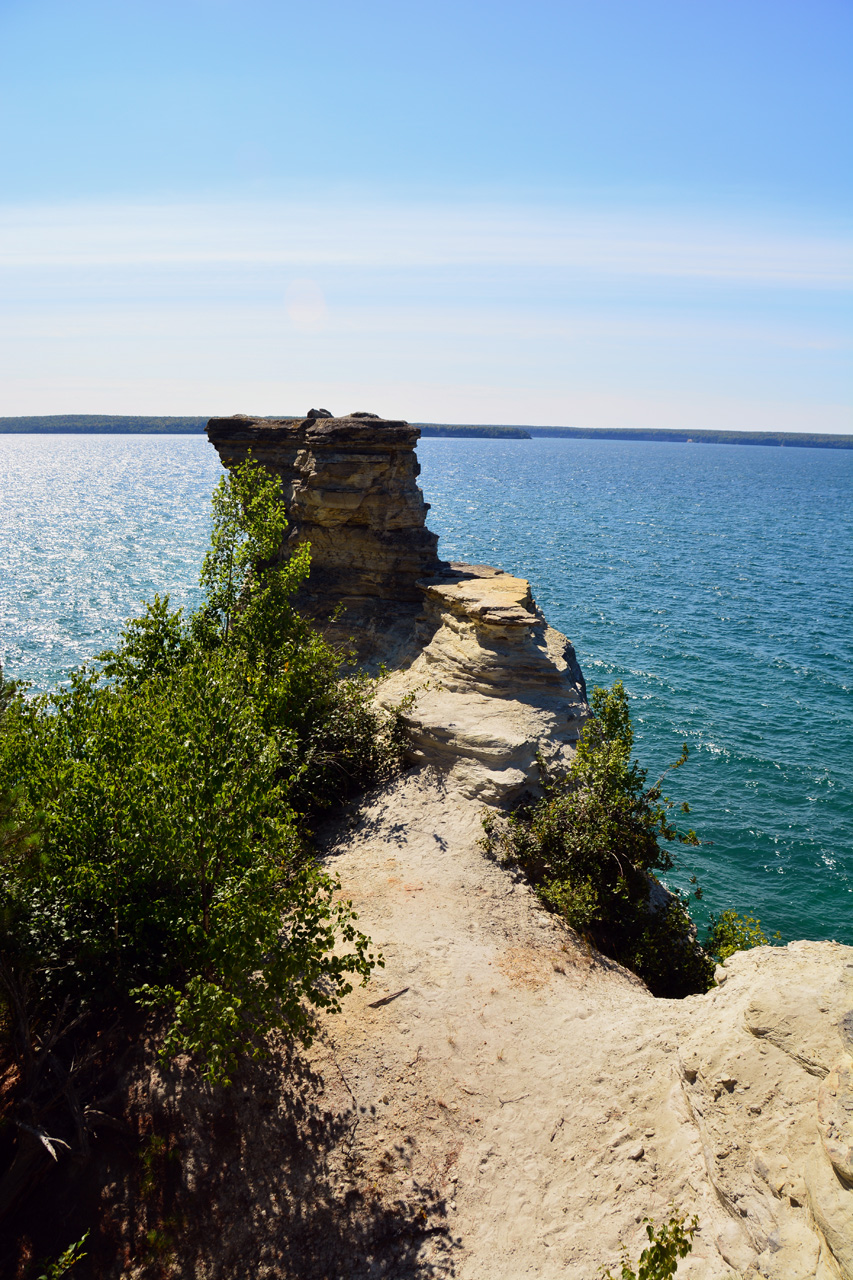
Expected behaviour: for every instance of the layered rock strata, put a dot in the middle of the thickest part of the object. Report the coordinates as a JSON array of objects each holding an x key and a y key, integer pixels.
[
  {"x": 350, "y": 488},
  {"x": 493, "y": 688},
  {"x": 491, "y": 684}
]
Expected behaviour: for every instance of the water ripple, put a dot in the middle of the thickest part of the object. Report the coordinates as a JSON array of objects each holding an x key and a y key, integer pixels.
[{"x": 713, "y": 580}]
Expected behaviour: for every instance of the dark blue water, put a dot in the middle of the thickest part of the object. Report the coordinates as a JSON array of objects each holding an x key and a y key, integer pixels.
[{"x": 713, "y": 580}]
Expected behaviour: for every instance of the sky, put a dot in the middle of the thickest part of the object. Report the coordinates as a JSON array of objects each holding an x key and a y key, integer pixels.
[{"x": 626, "y": 213}]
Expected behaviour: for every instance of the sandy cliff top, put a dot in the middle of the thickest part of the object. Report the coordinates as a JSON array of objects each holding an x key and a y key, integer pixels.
[{"x": 523, "y": 1099}]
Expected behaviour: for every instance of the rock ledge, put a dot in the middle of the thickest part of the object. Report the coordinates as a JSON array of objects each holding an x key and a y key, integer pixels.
[{"x": 492, "y": 684}]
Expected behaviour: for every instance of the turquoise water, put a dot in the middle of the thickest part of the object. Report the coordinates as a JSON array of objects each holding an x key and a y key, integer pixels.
[
  {"x": 715, "y": 581},
  {"x": 712, "y": 579}
]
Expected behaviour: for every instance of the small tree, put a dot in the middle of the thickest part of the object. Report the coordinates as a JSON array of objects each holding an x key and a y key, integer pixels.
[
  {"x": 659, "y": 1260},
  {"x": 153, "y": 848},
  {"x": 729, "y": 932},
  {"x": 591, "y": 846}
]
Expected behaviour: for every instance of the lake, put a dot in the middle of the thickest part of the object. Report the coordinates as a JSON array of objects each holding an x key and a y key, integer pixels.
[{"x": 714, "y": 580}]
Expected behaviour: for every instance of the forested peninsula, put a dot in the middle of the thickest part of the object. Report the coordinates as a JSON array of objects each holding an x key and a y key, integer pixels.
[
  {"x": 130, "y": 424},
  {"x": 797, "y": 439}
]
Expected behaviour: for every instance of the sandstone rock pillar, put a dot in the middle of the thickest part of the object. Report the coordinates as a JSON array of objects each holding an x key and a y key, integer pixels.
[
  {"x": 493, "y": 686},
  {"x": 350, "y": 487}
]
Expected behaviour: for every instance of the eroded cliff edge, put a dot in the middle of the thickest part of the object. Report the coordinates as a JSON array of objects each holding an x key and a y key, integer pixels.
[
  {"x": 541, "y": 1091},
  {"x": 494, "y": 684}
]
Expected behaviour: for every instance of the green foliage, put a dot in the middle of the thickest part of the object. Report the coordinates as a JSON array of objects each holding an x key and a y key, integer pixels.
[
  {"x": 172, "y": 868},
  {"x": 729, "y": 932},
  {"x": 248, "y": 584},
  {"x": 591, "y": 846},
  {"x": 86, "y": 423},
  {"x": 18, "y": 835},
  {"x": 66, "y": 1260},
  {"x": 659, "y": 1260},
  {"x": 170, "y": 789}
]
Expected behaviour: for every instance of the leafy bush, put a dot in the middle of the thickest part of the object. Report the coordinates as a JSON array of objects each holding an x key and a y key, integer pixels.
[
  {"x": 591, "y": 846},
  {"x": 729, "y": 932},
  {"x": 155, "y": 850},
  {"x": 659, "y": 1260},
  {"x": 67, "y": 1259},
  {"x": 18, "y": 830}
]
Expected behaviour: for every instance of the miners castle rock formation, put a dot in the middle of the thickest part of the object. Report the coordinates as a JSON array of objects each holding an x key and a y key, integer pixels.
[
  {"x": 494, "y": 683},
  {"x": 602, "y": 1104}
]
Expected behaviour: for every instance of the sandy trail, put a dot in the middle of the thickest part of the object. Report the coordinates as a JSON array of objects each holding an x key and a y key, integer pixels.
[
  {"x": 534, "y": 1087},
  {"x": 494, "y": 1077}
]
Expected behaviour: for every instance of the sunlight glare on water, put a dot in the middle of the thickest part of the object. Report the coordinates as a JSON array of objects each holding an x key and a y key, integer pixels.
[
  {"x": 92, "y": 526},
  {"x": 714, "y": 580}
]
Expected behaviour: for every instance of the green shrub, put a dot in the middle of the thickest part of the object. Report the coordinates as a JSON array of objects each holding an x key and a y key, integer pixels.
[
  {"x": 156, "y": 850},
  {"x": 591, "y": 846},
  {"x": 67, "y": 1259},
  {"x": 729, "y": 932},
  {"x": 18, "y": 823},
  {"x": 659, "y": 1260}
]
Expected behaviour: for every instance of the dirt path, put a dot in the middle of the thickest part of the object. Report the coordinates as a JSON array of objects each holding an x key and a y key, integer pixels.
[
  {"x": 500, "y": 1103},
  {"x": 534, "y": 1088}
]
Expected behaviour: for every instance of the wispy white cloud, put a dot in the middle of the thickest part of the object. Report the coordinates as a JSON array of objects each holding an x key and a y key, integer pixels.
[
  {"x": 341, "y": 233},
  {"x": 304, "y": 309},
  {"x": 431, "y": 312}
]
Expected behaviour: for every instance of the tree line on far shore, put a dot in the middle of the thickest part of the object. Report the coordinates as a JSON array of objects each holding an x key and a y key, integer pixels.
[{"x": 128, "y": 424}]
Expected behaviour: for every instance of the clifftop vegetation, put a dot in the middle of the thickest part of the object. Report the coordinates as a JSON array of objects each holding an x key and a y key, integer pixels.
[
  {"x": 592, "y": 848},
  {"x": 155, "y": 859}
]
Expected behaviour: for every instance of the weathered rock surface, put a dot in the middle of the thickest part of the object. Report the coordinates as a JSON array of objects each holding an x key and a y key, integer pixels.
[
  {"x": 493, "y": 684},
  {"x": 766, "y": 1078},
  {"x": 493, "y": 687},
  {"x": 350, "y": 488}
]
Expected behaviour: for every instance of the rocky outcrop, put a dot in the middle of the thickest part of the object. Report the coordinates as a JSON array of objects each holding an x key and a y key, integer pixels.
[
  {"x": 350, "y": 487},
  {"x": 765, "y": 1070},
  {"x": 491, "y": 683},
  {"x": 494, "y": 686},
  {"x": 546, "y": 1098}
]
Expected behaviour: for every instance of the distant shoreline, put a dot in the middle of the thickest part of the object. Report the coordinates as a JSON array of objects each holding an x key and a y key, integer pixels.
[
  {"x": 794, "y": 439},
  {"x": 125, "y": 424}
]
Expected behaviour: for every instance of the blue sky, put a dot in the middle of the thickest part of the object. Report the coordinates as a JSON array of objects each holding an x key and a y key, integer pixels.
[{"x": 608, "y": 213}]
